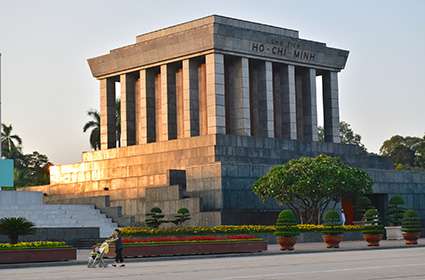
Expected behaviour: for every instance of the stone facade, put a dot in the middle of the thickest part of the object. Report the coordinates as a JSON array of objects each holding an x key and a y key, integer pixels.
[{"x": 207, "y": 107}]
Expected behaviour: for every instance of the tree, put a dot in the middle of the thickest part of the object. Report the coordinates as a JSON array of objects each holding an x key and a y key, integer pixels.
[
  {"x": 29, "y": 169},
  {"x": 181, "y": 216},
  {"x": 32, "y": 170},
  {"x": 405, "y": 152},
  {"x": 94, "y": 126},
  {"x": 348, "y": 136},
  {"x": 308, "y": 185},
  {"x": 13, "y": 227},
  {"x": 154, "y": 218},
  {"x": 395, "y": 211},
  {"x": 11, "y": 143}
]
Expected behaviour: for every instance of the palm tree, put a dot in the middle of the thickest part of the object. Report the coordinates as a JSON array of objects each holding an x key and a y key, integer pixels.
[
  {"x": 94, "y": 125},
  {"x": 10, "y": 143},
  {"x": 13, "y": 227}
]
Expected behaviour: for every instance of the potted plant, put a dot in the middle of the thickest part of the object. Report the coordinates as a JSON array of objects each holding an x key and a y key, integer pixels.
[
  {"x": 411, "y": 227},
  {"x": 373, "y": 229},
  {"x": 333, "y": 230},
  {"x": 286, "y": 230},
  {"x": 394, "y": 217}
]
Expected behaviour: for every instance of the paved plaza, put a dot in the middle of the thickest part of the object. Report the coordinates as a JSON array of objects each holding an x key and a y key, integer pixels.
[{"x": 391, "y": 264}]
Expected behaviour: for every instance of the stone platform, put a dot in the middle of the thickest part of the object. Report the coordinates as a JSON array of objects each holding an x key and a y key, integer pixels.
[{"x": 210, "y": 175}]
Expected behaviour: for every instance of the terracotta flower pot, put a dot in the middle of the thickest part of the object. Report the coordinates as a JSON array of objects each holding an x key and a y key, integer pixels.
[
  {"x": 287, "y": 242},
  {"x": 332, "y": 240},
  {"x": 411, "y": 238},
  {"x": 372, "y": 239}
]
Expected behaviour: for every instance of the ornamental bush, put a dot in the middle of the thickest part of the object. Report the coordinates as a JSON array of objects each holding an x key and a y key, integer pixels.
[
  {"x": 332, "y": 222},
  {"x": 395, "y": 211},
  {"x": 14, "y": 227},
  {"x": 411, "y": 222},
  {"x": 182, "y": 216},
  {"x": 154, "y": 218},
  {"x": 286, "y": 224},
  {"x": 373, "y": 224}
]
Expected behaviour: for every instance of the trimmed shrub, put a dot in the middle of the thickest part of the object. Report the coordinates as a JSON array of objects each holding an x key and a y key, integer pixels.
[
  {"x": 182, "y": 216},
  {"x": 373, "y": 224},
  {"x": 14, "y": 227},
  {"x": 411, "y": 222},
  {"x": 332, "y": 222},
  {"x": 395, "y": 211},
  {"x": 286, "y": 224},
  {"x": 154, "y": 218}
]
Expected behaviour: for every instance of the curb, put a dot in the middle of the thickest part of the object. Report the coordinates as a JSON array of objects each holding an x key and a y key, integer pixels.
[{"x": 192, "y": 257}]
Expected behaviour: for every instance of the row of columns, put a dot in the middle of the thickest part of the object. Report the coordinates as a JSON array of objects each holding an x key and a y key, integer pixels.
[{"x": 218, "y": 94}]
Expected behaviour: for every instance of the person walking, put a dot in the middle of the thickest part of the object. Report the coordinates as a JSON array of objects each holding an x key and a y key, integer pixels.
[
  {"x": 342, "y": 217},
  {"x": 117, "y": 239}
]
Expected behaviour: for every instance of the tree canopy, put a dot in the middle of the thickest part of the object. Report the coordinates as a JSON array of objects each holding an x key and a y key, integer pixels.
[
  {"x": 405, "y": 152},
  {"x": 30, "y": 169},
  {"x": 309, "y": 185},
  {"x": 348, "y": 136}
]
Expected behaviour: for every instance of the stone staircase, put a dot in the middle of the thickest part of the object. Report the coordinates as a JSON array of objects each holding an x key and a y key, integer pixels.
[{"x": 30, "y": 206}]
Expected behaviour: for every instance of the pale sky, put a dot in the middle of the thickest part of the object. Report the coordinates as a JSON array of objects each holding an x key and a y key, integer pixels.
[{"x": 48, "y": 88}]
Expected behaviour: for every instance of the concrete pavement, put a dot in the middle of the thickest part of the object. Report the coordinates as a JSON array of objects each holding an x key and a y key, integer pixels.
[{"x": 407, "y": 264}]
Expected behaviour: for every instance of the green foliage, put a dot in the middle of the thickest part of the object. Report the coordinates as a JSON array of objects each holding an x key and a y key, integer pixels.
[
  {"x": 33, "y": 245},
  {"x": 361, "y": 204},
  {"x": 405, "y": 152},
  {"x": 94, "y": 126},
  {"x": 347, "y": 135},
  {"x": 373, "y": 224},
  {"x": 14, "y": 227},
  {"x": 411, "y": 222},
  {"x": 286, "y": 224},
  {"x": 395, "y": 211},
  {"x": 332, "y": 221},
  {"x": 182, "y": 216},
  {"x": 154, "y": 218},
  {"x": 29, "y": 169},
  {"x": 309, "y": 184}
]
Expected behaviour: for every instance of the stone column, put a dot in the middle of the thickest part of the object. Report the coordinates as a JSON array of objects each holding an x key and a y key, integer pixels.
[
  {"x": 331, "y": 107},
  {"x": 310, "y": 105},
  {"x": 215, "y": 93},
  {"x": 269, "y": 100},
  {"x": 202, "y": 89},
  {"x": 238, "y": 119},
  {"x": 179, "y": 103},
  {"x": 128, "y": 118},
  {"x": 190, "y": 98},
  {"x": 261, "y": 98},
  {"x": 145, "y": 107},
  {"x": 168, "y": 104},
  {"x": 289, "y": 128},
  {"x": 108, "y": 136}
]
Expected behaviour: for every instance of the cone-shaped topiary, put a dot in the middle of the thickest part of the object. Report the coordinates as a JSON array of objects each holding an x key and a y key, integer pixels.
[
  {"x": 395, "y": 211},
  {"x": 372, "y": 222},
  {"x": 286, "y": 224},
  {"x": 13, "y": 227},
  {"x": 411, "y": 222}
]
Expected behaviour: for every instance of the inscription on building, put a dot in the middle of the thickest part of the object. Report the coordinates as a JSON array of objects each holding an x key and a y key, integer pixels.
[{"x": 283, "y": 49}]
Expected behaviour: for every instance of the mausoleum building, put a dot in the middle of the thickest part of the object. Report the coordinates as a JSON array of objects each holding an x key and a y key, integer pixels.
[{"x": 206, "y": 107}]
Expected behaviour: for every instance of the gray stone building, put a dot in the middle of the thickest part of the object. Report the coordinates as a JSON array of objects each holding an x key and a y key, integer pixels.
[{"x": 207, "y": 107}]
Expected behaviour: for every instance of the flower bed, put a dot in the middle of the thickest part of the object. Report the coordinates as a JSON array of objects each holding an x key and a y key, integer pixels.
[
  {"x": 190, "y": 245},
  {"x": 246, "y": 229},
  {"x": 41, "y": 251}
]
